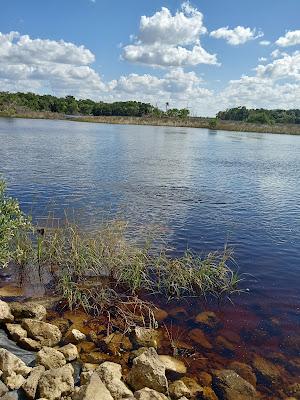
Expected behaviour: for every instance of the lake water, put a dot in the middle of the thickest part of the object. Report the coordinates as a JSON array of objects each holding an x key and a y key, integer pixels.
[{"x": 202, "y": 189}]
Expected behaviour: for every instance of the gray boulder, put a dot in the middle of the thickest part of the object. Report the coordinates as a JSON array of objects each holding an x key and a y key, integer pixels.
[
  {"x": 228, "y": 385},
  {"x": 46, "y": 334},
  {"x": 148, "y": 371},
  {"x": 111, "y": 374}
]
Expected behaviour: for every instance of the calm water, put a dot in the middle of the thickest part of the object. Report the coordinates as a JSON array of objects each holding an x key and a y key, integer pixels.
[{"x": 201, "y": 188}]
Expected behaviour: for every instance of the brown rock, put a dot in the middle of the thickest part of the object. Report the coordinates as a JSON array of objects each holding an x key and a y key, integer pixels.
[
  {"x": 193, "y": 386},
  {"x": 69, "y": 351},
  {"x": 62, "y": 324},
  {"x": 86, "y": 347},
  {"x": 199, "y": 337},
  {"x": 178, "y": 313},
  {"x": 28, "y": 310},
  {"x": 208, "y": 320},
  {"x": 204, "y": 378},
  {"x": 173, "y": 364},
  {"x": 228, "y": 385},
  {"x": 266, "y": 372},
  {"x": 160, "y": 315},
  {"x": 178, "y": 389},
  {"x": 224, "y": 346},
  {"x": 208, "y": 394},
  {"x": 46, "y": 334},
  {"x": 94, "y": 357},
  {"x": 146, "y": 337},
  {"x": 116, "y": 343},
  {"x": 244, "y": 370}
]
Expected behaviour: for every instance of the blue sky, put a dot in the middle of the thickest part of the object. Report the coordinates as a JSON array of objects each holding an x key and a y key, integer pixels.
[{"x": 207, "y": 55}]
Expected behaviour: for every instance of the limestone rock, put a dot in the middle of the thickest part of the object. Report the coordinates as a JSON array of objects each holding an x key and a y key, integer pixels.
[
  {"x": 62, "y": 324},
  {"x": 149, "y": 394},
  {"x": 173, "y": 364},
  {"x": 178, "y": 389},
  {"x": 3, "y": 388},
  {"x": 148, "y": 371},
  {"x": 12, "y": 365},
  {"x": 85, "y": 377},
  {"x": 74, "y": 336},
  {"x": 10, "y": 396},
  {"x": 28, "y": 310},
  {"x": 111, "y": 374},
  {"x": 46, "y": 334},
  {"x": 31, "y": 383},
  {"x": 50, "y": 358},
  {"x": 94, "y": 390},
  {"x": 30, "y": 344},
  {"x": 69, "y": 351},
  {"x": 230, "y": 386},
  {"x": 146, "y": 337},
  {"x": 56, "y": 383},
  {"x": 5, "y": 313},
  {"x": 16, "y": 332},
  {"x": 13, "y": 381},
  {"x": 266, "y": 372},
  {"x": 199, "y": 337}
]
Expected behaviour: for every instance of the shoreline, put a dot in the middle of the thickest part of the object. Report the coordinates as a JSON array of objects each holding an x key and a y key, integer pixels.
[{"x": 190, "y": 122}]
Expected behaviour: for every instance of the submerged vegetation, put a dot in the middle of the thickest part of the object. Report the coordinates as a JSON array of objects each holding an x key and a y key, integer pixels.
[{"x": 96, "y": 270}]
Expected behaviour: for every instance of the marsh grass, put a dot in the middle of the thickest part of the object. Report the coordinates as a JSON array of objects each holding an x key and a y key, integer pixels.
[{"x": 105, "y": 272}]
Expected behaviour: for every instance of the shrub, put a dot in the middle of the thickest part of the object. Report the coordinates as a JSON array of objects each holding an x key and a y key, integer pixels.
[{"x": 12, "y": 222}]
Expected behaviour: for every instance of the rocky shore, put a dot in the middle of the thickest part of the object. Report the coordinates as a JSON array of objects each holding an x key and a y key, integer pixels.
[{"x": 71, "y": 362}]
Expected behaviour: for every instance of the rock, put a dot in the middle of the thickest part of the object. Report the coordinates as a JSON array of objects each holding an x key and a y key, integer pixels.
[
  {"x": 266, "y": 372},
  {"x": 111, "y": 375},
  {"x": 204, "y": 378},
  {"x": 294, "y": 390},
  {"x": 199, "y": 337},
  {"x": 148, "y": 371},
  {"x": 94, "y": 390},
  {"x": 50, "y": 358},
  {"x": 3, "y": 388},
  {"x": 11, "y": 365},
  {"x": 207, "y": 320},
  {"x": 230, "y": 386},
  {"x": 179, "y": 389},
  {"x": 225, "y": 347},
  {"x": 69, "y": 351},
  {"x": 116, "y": 342},
  {"x": 146, "y": 337},
  {"x": 193, "y": 386},
  {"x": 30, "y": 344},
  {"x": 74, "y": 336},
  {"x": 5, "y": 314},
  {"x": 89, "y": 367},
  {"x": 208, "y": 394},
  {"x": 28, "y": 310},
  {"x": 46, "y": 334},
  {"x": 173, "y": 364},
  {"x": 13, "y": 381},
  {"x": 178, "y": 313},
  {"x": 244, "y": 370},
  {"x": 149, "y": 394},
  {"x": 95, "y": 357},
  {"x": 160, "y": 315},
  {"x": 55, "y": 383},
  {"x": 85, "y": 377},
  {"x": 31, "y": 383},
  {"x": 86, "y": 347},
  {"x": 62, "y": 324},
  {"x": 16, "y": 332}
]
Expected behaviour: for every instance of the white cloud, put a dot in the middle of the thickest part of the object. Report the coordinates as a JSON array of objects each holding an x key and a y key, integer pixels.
[
  {"x": 166, "y": 40},
  {"x": 265, "y": 43},
  {"x": 238, "y": 35},
  {"x": 291, "y": 38},
  {"x": 287, "y": 67},
  {"x": 262, "y": 59}
]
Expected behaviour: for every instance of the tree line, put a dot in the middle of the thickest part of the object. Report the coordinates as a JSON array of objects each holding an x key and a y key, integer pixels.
[
  {"x": 69, "y": 105},
  {"x": 260, "y": 115}
]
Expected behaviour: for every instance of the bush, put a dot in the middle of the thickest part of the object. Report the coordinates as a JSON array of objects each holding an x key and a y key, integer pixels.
[{"x": 12, "y": 222}]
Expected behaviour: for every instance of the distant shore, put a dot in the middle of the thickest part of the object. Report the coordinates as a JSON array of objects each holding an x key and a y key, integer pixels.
[{"x": 190, "y": 122}]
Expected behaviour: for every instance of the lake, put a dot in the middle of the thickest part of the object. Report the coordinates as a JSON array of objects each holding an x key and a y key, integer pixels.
[{"x": 202, "y": 188}]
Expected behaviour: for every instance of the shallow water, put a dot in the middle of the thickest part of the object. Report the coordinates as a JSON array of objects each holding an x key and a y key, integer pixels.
[{"x": 201, "y": 189}]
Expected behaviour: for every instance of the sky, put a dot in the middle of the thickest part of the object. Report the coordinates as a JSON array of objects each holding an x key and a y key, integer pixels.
[{"x": 205, "y": 55}]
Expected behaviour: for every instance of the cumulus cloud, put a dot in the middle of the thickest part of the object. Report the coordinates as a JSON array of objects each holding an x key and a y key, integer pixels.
[
  {"x": 262, "y": 59},
  {"x": 287, "y": 67},
  {"x": 166, "y": 40},
  {"x": 291, "y": 38},
  {"x": 265, "y": 43},
  {"x": 236, "y": 36},
  {"x": 42, "y": 64}
]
